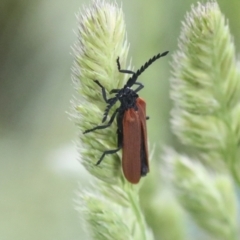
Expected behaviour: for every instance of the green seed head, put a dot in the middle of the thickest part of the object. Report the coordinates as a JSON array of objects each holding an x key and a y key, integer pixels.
[{"x": 100, "y": 41}]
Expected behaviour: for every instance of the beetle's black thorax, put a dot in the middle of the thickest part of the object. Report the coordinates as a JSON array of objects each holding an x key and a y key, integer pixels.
[{"x": 127, "y": 97}]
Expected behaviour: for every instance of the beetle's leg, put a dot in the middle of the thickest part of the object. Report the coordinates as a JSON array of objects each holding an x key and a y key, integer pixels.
[
  {"x": 107, "y": 152},
  {"x": 140, "y": 86},
  {"x": 103, "y": 90},
  {"x": 123, "y": 70},
  {"x": 103, "y": 126}
]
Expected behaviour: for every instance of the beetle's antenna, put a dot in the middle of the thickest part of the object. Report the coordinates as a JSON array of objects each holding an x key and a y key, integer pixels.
[
  {"x": 110, "y": 104},
  {"x": 133, "y": 79}
]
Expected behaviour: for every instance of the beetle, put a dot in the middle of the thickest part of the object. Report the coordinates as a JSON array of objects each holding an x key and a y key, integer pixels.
[{"x": 131, "y": 123}]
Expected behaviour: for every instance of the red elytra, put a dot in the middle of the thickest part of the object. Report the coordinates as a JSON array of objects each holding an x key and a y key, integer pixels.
[{"x": 134, "y": 147}]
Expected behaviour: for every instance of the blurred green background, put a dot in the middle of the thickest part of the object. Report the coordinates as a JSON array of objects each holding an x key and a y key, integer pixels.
[{"x": 39, "y": 172}]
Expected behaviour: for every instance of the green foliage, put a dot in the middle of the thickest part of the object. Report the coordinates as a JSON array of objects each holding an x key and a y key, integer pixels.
[
  {"x": 206, "y": 87},
  {"x": 209, "y": 198},
  {"x": 205, "y": 90}
]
